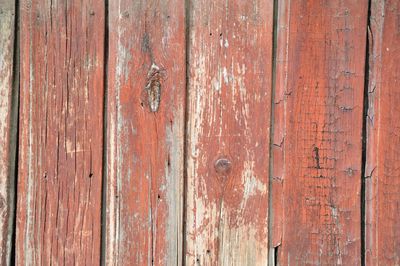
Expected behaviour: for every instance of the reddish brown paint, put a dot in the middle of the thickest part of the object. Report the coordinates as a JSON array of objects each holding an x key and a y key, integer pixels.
[
  {"x": 317, "y": 145},
  {"x": 8, "y": 105},
  {"x": 316, "y": 173},
  {"x": 60, "y": 153},
  {"x": 383, "y": 140},
  {"x": 230, "y": 56},
  {"x": 146, "y": 103}
]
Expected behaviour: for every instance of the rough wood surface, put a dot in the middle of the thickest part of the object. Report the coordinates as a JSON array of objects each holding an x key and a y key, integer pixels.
[
  {"x": 146, "y": 103},
  {"x": 317, "y": 147},
  {"x": 320, "y": 189},
  {"x": 7, "y": 127},
  {"x": 383, "y": 140},
  {"x": 230, "y": 56},
  {"x": 61, "y": 127}
]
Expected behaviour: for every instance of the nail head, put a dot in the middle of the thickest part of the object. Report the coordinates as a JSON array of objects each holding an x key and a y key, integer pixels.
[{"x": 223, "y": 166}]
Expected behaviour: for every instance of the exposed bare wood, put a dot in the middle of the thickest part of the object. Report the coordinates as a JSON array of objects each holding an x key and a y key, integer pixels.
[
  {"x": 8, "y": 132},
  {"x": 230, "y": 56}
]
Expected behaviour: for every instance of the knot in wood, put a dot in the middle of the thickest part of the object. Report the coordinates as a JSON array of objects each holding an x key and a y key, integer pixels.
[
  {"x": 223, "y": 166},
  {"x": 153, "y": 88}
]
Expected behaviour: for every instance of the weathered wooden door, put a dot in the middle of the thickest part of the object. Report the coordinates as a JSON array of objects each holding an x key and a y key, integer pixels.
[{"x": 199, "y": 132}]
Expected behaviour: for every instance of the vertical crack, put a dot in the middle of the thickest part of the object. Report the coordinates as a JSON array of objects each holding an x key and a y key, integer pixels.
[
  {"x": 104, "y": 157},
  {"x": 364, "y": 134},
  {"x": 271, "y": 249},
  {"x": 276, "y": 256},
  {"x": 185, "y": 117},
  {"x": 14, "y": 139}
]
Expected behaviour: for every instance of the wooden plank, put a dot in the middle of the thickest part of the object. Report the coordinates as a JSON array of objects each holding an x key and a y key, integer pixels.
[
  {"x": 230, "y": 56},
  {"x": 61, "y": 126},
  {"x": 7, "y": 128},
  {"x": 383, "y": 124},
  {"x": 317, "y": 146},
  {"x": 146, "y": 104}
]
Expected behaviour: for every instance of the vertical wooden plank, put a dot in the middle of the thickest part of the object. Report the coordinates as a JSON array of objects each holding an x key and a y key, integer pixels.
[
  {"x": 383, "y": 124},
  {"x": 318, "y": 122},
  {"x": 61, "y": 126},
  {"x": 146, "y": 103},
  {"x": 7, "y": 132},
  {"x": 279, "y": 109},
  {"x": 230, "y": 56}
]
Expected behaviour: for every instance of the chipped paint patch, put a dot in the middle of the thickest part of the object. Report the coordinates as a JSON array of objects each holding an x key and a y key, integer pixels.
[
  {"x": 6, "y": 130},
  {"x": 252, "y": 185}
]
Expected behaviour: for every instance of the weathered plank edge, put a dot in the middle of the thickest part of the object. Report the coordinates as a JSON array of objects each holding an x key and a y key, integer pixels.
[
  {"x": 366, "y": 128},
  {"x": 185, "y": 152},
  {"x": 11, "y": 138},
  {"x": 14, "y": 126},
  {"x": 272, "y": 248},
  {"x": 279, "y": 117},
  {"x": 103, "y": 232},
  {"x": 376, "y": 24}
]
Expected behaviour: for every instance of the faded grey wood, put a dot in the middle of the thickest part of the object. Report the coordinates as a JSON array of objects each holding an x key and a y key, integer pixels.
[{"x": 8, "y": 111}]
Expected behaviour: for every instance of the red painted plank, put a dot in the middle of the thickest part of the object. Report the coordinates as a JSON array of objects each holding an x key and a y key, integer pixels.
[
  {"x": 146, "y": 103},
  {"x": 230, "y": 56},
  {"x": 7, "y": 128},
  {"x": 60, "y": 153},
  {"x": 383, "y": 124},
  {"x": 317, "y": 147}
]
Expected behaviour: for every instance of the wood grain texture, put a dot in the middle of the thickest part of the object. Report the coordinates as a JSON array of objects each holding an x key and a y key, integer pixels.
[
  {"x": 383, "y": 140},
  {"x": 61, "y": 126},
  {"x": 7, "y": 127},
  {"x": 317, "y": 146},
  {"x": 230, "y": 56},
  {"x": 146, "y": 104}
]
